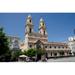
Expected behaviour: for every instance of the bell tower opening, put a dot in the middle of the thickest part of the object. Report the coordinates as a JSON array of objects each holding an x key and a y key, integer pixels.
[
  {"x": 30, "y": 30},
  {"x": 30, "y": 21},
  {"x": 44, "y": 32}
]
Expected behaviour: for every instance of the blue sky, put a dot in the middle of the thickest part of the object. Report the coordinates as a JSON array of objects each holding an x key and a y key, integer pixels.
[{"x": 59, "y": 25}]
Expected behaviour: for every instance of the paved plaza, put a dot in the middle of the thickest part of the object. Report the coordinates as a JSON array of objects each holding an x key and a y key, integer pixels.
[{"x": 66, "y": 59}]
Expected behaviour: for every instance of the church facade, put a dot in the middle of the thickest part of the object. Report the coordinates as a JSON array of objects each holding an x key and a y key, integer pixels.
[{"x": 40, "y": 40}]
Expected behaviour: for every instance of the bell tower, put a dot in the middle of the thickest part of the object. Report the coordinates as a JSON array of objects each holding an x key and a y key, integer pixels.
[
  {"x": 29, "y": 25},
  {"x": 42, "y": 27},
  {"x": 28, "y": 30}
]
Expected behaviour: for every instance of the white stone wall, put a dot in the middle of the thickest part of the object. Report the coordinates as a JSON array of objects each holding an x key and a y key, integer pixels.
[
  {"x": 14, "y": 42},
  {"x": 71, "y": 43},
  {"x": 57, "y": 48},
  {"x": 72, "y": 46}
]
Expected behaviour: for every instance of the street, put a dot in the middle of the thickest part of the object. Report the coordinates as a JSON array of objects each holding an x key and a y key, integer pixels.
[{"x": 65, "y": 59}]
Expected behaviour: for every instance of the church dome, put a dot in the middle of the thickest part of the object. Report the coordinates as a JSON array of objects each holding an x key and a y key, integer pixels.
[
  {"x": 41, "y": 20},
  {"x": 70, "y": 38},
  {"x": 42, "y": 24}
]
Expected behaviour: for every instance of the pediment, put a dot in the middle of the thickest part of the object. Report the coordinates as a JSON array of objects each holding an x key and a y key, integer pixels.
[{"x": 39, "y": 42}]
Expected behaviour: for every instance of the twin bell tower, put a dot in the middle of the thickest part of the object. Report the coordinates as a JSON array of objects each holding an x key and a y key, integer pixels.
[{"x": 29, "y": 27}]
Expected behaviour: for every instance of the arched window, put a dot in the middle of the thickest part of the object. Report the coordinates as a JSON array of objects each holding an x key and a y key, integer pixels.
[
  {"x": 50, "y": 46},
  {"x": 58, "y": 46},
  {"x": 45, "y": 46},
  {"x": 54, "y": 46},
  {"x": 62, "y": 46},
  {"x": 30, "y": 46}
]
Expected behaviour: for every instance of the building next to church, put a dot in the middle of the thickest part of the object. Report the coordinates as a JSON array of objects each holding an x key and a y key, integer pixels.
[
  {"x": 40, "y": 40},
  {"x": 14, "y": 42},
  {"x": 71, "y": 43}
]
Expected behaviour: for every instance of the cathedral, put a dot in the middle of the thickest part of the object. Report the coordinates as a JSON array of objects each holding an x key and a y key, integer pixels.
[{"x": 40, "y": 40}]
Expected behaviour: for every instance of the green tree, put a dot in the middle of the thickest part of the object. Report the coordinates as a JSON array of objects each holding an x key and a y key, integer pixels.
[
  {"x": 15, "y": 53},
  {"x": 39, "y": 53},
  {"x": 35, "y": 52},
  {"x": 24, "y": 53},
  {"x": 30, "y": 52},
  {"x": 4, "y": 48}
]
